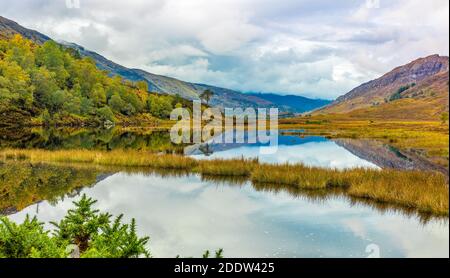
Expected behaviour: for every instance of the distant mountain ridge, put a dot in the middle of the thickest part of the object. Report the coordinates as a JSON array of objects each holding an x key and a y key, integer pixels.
[
  {"x": 293, "y": 103},
  {"x": 167, "y": 85},
  {"x": 417, "y": 90}
]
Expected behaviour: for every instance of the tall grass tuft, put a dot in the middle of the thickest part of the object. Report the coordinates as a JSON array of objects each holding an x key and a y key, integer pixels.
[
  {"x": 112, "y": 158},
  {"x": 297, "y": 175},
  {"x": 427, "y": 192},
  {"x": 233, "y": 167}
]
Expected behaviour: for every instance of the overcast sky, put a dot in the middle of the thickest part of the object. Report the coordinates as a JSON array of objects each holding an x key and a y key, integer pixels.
[{"x": 314, "y": 48}]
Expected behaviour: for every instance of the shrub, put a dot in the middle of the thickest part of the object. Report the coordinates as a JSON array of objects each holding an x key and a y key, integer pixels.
[
  {"x": 160, "y": 106},
  {"x": 91, "y": 231},
  {"x": 105, "y": 114},
  {"x": 444, "y": 117},
  {"x": 398, "y": 94},
  {"x": 28, "y": 240}
]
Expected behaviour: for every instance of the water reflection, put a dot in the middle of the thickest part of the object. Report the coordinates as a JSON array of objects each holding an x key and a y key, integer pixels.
[
  {"x": 294, "y": 147},
  {"x": 311, "y": 150},
  {"x": 91, "y": 139},
  {"x": 186, "y": 214},
  {"x": 23, "y": 183},
  {"x": 387, "y": 156}
]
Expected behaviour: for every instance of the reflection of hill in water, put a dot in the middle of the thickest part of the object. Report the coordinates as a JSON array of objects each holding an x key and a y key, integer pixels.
[
  {"x": 212, "y": 147},
  {"x": 92, "y": 139},
  {"x": 23, "y": 184},
  {"x": 386, "y": 156}
]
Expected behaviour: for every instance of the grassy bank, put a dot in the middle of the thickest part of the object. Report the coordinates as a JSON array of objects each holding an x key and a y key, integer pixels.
[{"x": 425, "y": 191}]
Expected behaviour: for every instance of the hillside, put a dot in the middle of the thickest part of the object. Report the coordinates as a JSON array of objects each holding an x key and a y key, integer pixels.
[
  {"x": 9, "y": 28},
  {"x": 222, "y": 97},
  {"x": 296, "y": 104},
  {"x": 166, "y": 85},
  {"x": 418, "y": 90},
  {"x": 47, "y": 84}
]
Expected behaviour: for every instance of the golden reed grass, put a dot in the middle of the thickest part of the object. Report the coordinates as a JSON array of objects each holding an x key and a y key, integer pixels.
[{"x": 425, "y": 191}]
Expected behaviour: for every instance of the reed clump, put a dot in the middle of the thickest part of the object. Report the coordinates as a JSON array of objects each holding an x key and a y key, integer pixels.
[
  {"x": 425, "y": 191},
  {"x": 112, "y": 158},
  {"x": 295, "y": 175},
  {"x": 300, "y": 176}
]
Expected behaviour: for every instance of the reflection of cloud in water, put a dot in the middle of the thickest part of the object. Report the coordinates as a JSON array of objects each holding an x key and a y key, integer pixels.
[
  {"x": 356, "y": 226},
  {"x": 185, "y": 216},
  {"x": 404, "y": 236},
  {"x": 322, "y": 154}
]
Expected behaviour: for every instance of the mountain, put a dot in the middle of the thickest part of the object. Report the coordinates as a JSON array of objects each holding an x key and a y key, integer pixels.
[
  {"x": 417, "y": 90},
  {"x": 296, "y": 104},
  {"x": 9, "y": 27},
  {"x": 167, "y": 85}
]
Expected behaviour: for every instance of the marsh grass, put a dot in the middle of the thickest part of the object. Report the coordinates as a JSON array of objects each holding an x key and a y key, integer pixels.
[
  {"x": 424, "y": 191},
  {"x": 233, "y": 167},
  {"x": 124, "y": 158},
  {"x": 299, "y": 175}
]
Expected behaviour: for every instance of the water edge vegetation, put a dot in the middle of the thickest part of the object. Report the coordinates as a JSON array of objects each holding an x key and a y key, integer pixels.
[{"x": 426, "y": 192}]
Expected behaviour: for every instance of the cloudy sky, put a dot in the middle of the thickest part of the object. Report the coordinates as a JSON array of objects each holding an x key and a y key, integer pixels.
[{"x": 315, "y": 48}]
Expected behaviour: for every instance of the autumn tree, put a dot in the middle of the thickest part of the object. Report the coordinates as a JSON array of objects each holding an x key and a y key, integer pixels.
[
  {"x": 160, "y": 106},
  {"x": 142, "y": 86},
  {"x": 57, "y": 82}
]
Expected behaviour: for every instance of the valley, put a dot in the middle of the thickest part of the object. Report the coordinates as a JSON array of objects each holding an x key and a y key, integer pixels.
[{"x": 369, "y": 166}]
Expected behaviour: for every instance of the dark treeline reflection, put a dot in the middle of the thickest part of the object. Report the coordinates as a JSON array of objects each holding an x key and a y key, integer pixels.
[
  {"x": 91, "y": 139},
  {"x": 23, "y": 184}
]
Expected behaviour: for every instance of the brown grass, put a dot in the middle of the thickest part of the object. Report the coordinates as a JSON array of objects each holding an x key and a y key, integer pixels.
[
  {"x": 298, "y": 175},
  {"x": 126, "y": 158},
  {"x": 221, "y": 167},
  {"x": 412, "y": 189},
  {"x": 424, "y": 191}
]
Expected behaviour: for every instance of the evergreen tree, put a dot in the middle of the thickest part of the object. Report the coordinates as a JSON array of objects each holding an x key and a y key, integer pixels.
[{"x": 206, "y": 96}]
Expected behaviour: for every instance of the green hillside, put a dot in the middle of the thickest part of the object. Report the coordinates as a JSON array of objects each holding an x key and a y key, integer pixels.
[
  {"x": 47, "y": 84},
  {"x": 160, "y": 84}
]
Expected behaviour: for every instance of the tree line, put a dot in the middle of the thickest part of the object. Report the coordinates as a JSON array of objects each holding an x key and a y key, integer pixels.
[{"x": 52, "y": 84}]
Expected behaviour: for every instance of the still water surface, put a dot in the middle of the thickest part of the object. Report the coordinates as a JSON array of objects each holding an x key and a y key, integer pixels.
[
  {"x": 185, "y": 215},
  {"x": 310, "y": 150}
]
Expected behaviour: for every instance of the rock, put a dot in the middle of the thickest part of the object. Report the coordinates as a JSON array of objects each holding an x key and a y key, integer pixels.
[{"x": 108, "y": 124}]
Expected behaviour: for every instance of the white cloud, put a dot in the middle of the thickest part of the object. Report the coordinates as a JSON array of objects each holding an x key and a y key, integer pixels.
[{"x": 313, "y": 48}]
